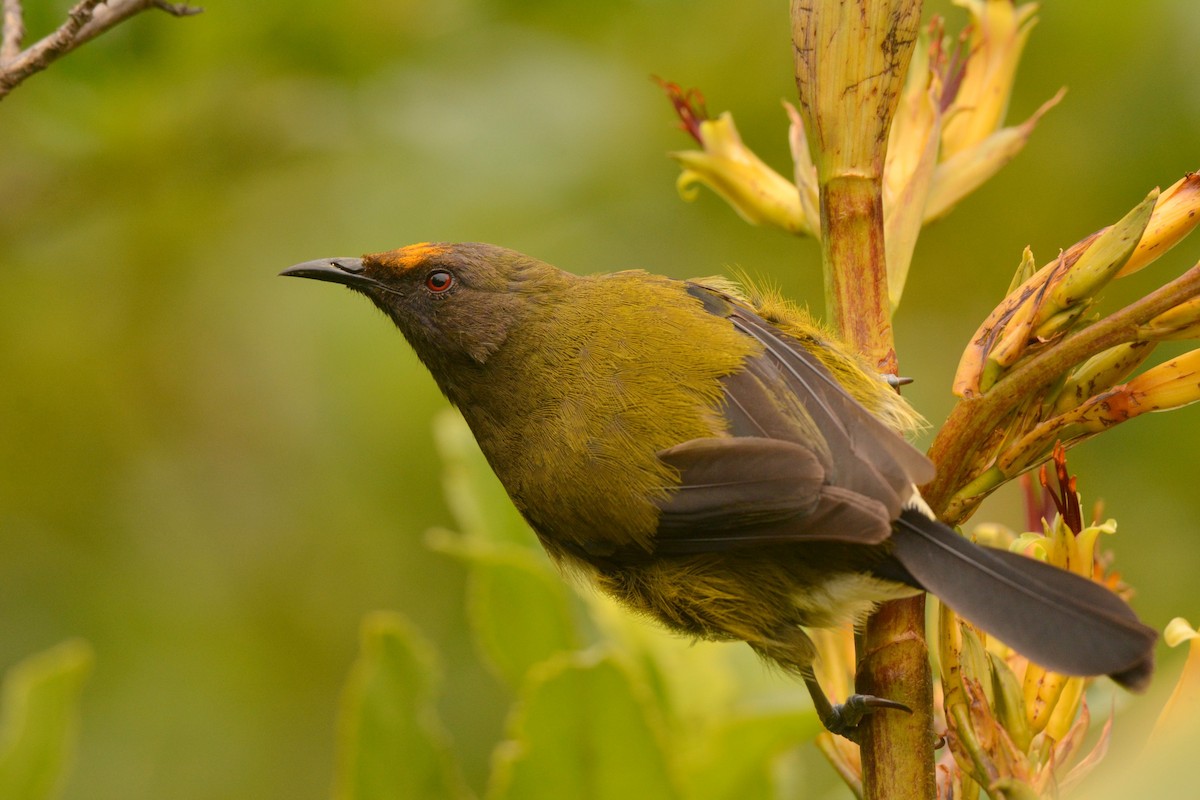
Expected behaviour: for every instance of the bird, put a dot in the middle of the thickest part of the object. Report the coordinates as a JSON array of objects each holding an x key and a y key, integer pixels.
[{"x": 714, "y": 459}]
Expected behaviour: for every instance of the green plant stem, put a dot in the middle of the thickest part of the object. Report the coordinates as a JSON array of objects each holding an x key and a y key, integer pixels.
[
  {"x": 855, "y": 266},
  {"x": 897, "y": 748},
  {"x": 851, "y": 57},
  {"x": 972, "y": 421}
]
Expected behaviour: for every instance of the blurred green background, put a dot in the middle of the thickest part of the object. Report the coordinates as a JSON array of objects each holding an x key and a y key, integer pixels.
[{"x": 211, "y": 474}]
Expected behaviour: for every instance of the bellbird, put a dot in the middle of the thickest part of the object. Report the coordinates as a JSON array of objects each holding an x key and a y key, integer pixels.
[{"x": 715, "y": 462}]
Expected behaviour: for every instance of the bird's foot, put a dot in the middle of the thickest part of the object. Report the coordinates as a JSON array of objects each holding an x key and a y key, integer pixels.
[{"x": 842, "y": 719}]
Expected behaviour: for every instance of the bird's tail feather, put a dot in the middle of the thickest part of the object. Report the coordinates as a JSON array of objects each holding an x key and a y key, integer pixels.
[{"x": 1055, "y": 618}]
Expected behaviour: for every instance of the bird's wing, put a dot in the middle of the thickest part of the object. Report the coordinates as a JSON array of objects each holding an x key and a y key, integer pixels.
[
  {"x": 853, "y": 434},
  {"x": 804, "y": 459},
  {"x": 749, "y": 491}
]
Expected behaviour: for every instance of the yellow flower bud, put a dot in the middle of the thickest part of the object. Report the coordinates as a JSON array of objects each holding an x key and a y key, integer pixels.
[
  {"x": 1051, "y": 301},
  {"x": 1175, "y": 214},
  {"x": 1073, "y": 289},
  {"x": 1025, "y": 270},
  {"x": 1101, "y": 372},
  {"x": 1062, "y": 717},
  {"x": 1180, "y": 322},
  {"x": 1009, "y": 702},
  {"x": 1004, "y": 335},
  {"x": 1041, "y": 688},
  {"x": 1171, "y": 384}
]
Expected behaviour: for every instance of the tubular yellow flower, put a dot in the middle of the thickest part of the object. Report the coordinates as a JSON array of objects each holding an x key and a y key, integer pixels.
[
  {"x": 909, "y": 169},
  {"x": 804, "y": 169},
  {"x": 1003, "y": 336},
  {"x": 999, "y": 30},
  {"x": 1066, "y": 710},
  {"x": 964, "y": 171},
  {"x": 1171, "y": 384},
  {"x": 1052, "y": 701},
  {"x": 759, "y": 194},
  {"x": 880, "y": 103},
  {"x": 918, "y": 120},
  {"x": 1020, "y": 731},
  {"x": 1183, "y": 706},
  {"x": 1052, "y": 301},
  {"x": 1042, "y": 690}
]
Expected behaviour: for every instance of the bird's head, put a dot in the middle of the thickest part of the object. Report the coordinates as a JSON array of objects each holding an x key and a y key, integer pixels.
[{"x": 453, "y": 302}]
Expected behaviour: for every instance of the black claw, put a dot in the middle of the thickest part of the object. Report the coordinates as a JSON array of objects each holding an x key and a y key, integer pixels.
[
  {"x": 843, "y": 719},
  {"x": 871, "y": 702}
]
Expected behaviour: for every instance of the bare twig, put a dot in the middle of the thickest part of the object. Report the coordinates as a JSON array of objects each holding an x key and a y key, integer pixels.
[
  {"x": 85, "y": 21},
  {"x": 116, "y": 11},
  {"x": 14, "y": 30}
]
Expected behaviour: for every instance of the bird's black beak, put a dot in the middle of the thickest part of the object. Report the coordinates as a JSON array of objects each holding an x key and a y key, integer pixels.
[{"x": 346, "y": 271}]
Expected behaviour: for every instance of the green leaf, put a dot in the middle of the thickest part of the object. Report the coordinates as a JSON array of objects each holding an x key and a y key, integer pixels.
[
  {"x": 390, "y": 741},
  {"x": 520, "y": 613},
  {"x": 40, "y": 720},
  {"x": 520, "y": 609},
  {"x": 736, "y": 758},
  {"x": 584, "y": 729}
]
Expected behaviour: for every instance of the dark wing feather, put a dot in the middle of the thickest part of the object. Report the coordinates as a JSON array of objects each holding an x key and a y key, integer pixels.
[
  {"x": 1055, "y": 618},
  {"x": 805, "y": 460},
  {"x": 855, "y": 437},
  {"x": 747, "y": 491}
]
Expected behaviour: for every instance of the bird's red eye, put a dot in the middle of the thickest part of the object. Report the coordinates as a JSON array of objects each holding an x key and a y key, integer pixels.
[{"x": 439, "y": 281}]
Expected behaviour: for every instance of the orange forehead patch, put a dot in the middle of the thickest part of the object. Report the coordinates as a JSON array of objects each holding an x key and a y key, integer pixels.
[{"x": 410, "y": 257}]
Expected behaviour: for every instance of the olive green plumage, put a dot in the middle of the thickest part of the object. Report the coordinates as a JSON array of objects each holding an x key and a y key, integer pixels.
[{"x": 713, "y": 460}]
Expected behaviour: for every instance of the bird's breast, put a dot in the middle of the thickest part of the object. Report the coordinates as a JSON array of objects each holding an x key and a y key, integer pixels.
[{"x": 616, "y": 383}]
